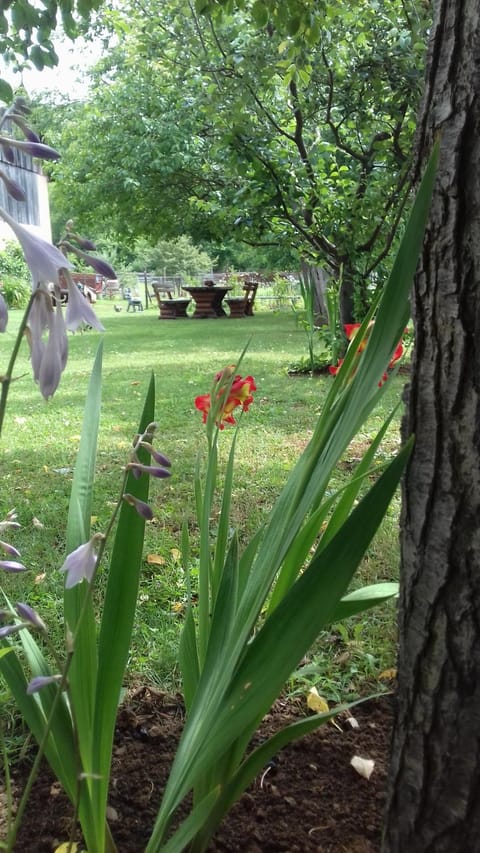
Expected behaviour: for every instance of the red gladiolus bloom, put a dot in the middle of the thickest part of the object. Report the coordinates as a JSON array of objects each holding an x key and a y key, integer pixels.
[
  {"x": 351, "y": 330},
  {"x": 240, "y": 394}
]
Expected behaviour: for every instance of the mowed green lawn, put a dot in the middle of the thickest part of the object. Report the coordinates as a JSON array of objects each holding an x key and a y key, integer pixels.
[{"x": 40, "y": 441}]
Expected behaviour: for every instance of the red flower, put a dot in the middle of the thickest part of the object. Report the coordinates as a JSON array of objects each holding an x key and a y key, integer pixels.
[
  {"x": 351, "y": 330},
  {"x": 239, "y": 394}
]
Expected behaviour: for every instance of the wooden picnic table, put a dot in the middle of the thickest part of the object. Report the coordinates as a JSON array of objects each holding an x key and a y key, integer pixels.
[{"x": 208, "y": 300}]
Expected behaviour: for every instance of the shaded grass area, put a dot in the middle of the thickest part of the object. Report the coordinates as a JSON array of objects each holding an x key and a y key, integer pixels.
[{"x": 39, "y": 447}]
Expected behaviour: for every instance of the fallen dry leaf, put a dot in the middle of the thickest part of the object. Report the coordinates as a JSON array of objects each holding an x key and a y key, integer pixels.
[
  {"x": 388, "y": 674},
  {"x": 317, "y": 703},
  {"x": 155, "y": 560},
  {"x": 37, "y": 523}
]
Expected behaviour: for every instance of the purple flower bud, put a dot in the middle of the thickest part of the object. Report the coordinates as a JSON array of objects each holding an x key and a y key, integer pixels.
[
  {"x": 9, "y": 549},
  {"x": 8, "y": 630},
  {"x": 7, "y": 152},
  {"x": 34, "y": 149},
  {"x": 159, "y": 457},
  {"x": 86, "y": 244},
  {"x": 148, "y": 469},
  {"x": 28, "y": 614},
  {"x": 40, "y": 681},
  {"x": 143, "y": 509},
  {"x": 27, "y": 131},
  {"x": 12, "y": 187},
  {"x": 12, "y": 566}
]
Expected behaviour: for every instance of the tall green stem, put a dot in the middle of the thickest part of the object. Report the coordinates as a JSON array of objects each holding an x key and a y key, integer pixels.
[{"x": 6, "y": 379}]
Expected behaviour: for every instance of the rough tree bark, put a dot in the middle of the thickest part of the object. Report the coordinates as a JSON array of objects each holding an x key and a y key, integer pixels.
[{"x": 434, "y": 787}]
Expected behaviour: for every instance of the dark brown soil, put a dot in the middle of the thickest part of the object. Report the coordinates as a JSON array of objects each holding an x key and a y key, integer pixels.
[{"x": 308, "y": 799}]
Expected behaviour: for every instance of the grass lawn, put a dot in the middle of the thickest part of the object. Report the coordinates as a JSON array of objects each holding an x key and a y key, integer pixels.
[{"x": 40, "y": 441}]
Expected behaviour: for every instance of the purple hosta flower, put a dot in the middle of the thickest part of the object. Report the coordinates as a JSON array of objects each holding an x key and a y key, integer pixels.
[
  {"x": 43, "y": 259},
  {"x": 137, "y": 468},
  {"x": 81, "y": 564},
  {"x": 12, "y": 188},
  {"x": 40, "y": 681},
  {"x": 12, "y": 566},
  {"x": 34, "y": 149},
  {"x": 30, "y": 616},
  {"x": 79, "y": 310},
  {"x": 9, "y": 549},
  {"x": 143, "y": 509},
  {"x": 54, "y": 355}
]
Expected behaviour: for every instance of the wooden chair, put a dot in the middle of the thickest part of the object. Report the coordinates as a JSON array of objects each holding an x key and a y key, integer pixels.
[
  {"x": 237, "y": 306},
  {"x": 250, "y": 288}
]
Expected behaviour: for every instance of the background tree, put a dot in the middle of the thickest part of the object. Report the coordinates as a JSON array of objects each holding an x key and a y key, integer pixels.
[
  {"x": 434, "y": 798},
  {"x": 267, "y": 141}
]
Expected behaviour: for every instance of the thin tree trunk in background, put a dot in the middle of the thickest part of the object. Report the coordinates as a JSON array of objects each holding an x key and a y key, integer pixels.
[
  {"x": 434, "y": 786},
  {"x": 318, "y": 280}
]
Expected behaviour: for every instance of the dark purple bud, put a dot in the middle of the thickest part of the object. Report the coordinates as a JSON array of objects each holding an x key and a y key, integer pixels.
[
  {"x": 86, "y": 244},
  {"x": 98, "y": 264},
  {"x": 28, "y": 614},
  {"x": 143, "y": 509},
  {"x": 12, "y": 187},
  {"x": 20, "y": 106},
  {"x": 12, "y": 566},
  {"x": 159, "y": 457},
  {"x": 35, "y": 149},
  {"x": 148, "y": 469},
  {"x": 22, "y": 124},
  {"x": 8, "y": 152}
]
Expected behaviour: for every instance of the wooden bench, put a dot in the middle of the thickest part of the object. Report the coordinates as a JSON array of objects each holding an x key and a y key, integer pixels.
[{"x": 170, "y": 308}]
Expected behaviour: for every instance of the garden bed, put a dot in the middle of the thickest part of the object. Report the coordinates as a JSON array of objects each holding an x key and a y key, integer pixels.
[{"x": 308, "y": 799}]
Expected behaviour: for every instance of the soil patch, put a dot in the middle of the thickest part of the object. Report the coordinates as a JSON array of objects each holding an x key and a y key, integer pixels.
[{"x": 309, "y": 798}]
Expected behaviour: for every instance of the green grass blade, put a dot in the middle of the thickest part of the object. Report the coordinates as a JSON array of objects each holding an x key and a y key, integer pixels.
[{"x": 188, "y": 659}]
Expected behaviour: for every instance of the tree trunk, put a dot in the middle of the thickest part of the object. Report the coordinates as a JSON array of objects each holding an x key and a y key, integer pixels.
[{"x": 434, "y": 785}]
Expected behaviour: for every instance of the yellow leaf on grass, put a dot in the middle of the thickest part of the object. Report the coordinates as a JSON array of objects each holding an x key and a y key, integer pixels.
[
  {"x": 155, "y": 560},
  {"x": 316, "y": 703},
  {"x": 40, "y": 578},
  {"x": 175, "y": 554},
  {"x": 66, "y": 847},
  {"x": 93, "y": 519},
  {"x": 388, "y": 674}
]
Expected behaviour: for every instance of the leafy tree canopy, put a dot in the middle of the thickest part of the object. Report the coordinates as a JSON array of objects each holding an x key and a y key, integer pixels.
[{"x": 234, "y": 127}]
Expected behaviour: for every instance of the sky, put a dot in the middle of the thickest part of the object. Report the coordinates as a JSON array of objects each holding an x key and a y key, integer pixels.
[{"x": 66, "y": 78}]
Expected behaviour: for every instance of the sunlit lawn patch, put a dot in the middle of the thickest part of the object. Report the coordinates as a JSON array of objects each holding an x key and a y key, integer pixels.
[{"x": 41, "y": 439}]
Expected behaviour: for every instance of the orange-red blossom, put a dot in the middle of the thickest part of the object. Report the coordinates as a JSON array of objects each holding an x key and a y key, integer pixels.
[
  {"x": 240, "y": 394},
  {"x": 351, "y": 330}
]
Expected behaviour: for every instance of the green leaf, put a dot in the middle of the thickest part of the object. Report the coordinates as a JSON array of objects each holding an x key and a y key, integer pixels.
[
  {"x": 117, "y": 620},
  {"x": 6, "y": 92},
  {"x": 363, "y": 599},
  {"x": 83, "y": 669}
]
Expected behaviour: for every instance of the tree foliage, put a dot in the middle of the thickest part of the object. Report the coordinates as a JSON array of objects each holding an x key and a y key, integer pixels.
[
  {"x": 249, "y": 126},
  {"x": 26, "y": 28}
]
